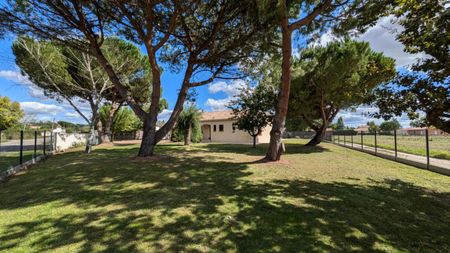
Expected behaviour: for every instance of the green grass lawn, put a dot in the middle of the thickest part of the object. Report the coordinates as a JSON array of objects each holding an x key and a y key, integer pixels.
[
  {"x": 217, "y": 198},
  {"x": 439, "y": 145},
  {"x": 11, "y": 159}
]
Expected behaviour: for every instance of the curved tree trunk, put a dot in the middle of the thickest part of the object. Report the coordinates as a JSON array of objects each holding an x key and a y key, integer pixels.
[
  {"x": 317, "y": 137},
  {"x": 148, "y": 139},
  {"x": 275, "y": 146}
]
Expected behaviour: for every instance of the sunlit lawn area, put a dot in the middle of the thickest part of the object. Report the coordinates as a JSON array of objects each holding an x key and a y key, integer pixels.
[{"x": 215, "y": 198}]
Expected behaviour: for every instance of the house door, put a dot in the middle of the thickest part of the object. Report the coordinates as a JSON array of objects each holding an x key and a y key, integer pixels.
[{"x": 206, "y": 131}]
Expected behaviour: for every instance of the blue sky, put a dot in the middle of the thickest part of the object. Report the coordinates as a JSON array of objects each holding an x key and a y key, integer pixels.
[{"x": 210, "y": 97}]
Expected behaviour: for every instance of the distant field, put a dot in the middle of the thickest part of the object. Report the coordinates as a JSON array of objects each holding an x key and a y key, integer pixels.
[{"x": 439, "y": 145}]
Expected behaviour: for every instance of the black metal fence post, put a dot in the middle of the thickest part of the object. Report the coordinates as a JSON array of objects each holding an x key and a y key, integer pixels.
[
  {"x": 351, "y": 136},
  {"x": 375, "y": 139},
  {"x": 344, "y": 139},
  {"x": 428, "y": 148},
  {"x": 35, "y": 144},
  {"x": 375, "y": 142},
  {"x": 362, "y": 140},
  {"x": 44, "y": 141},
  {"x": 395, "y": 143},
  {"x": 21, "y": 147}
]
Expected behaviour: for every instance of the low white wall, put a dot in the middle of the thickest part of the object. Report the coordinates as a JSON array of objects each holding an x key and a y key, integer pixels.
[{"x": 65, "y": 141}]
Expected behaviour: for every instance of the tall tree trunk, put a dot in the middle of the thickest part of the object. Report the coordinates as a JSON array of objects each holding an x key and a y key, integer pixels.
[
  {"x": 187, "y": 136},
  {"x": 107, "y": 134},
  {"x": 275, "y": 146},
  {"x": 147, "y": 143},
  {"x": 93, "y": 129},
  {"x": 254, "y": 141},
  {"x": 149, "y": 119}
]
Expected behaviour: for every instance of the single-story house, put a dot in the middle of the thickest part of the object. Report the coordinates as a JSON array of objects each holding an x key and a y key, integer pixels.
[
  {"x": 421, "y": 131},
  {"x": 219, "y": 127},
  {"x": 362, "y": 128}
]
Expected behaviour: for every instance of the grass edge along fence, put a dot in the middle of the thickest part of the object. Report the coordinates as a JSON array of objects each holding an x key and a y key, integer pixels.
[
  {"x": 35, "y": 150},
  {"x": 350, "y": 139}
]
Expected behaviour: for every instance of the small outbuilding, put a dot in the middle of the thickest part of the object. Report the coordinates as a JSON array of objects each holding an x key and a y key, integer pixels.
[{"x": 220, "y": 127}]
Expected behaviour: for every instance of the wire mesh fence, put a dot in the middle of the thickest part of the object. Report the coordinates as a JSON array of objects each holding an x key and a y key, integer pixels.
[
  {"x": 421, "y": 146},
  {"x": 18, "y": 147}
]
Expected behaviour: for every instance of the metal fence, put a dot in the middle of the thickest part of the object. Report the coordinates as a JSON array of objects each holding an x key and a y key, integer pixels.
[
  {"x": 426, "y": 149},
  {"x": 19, "y": 147}
]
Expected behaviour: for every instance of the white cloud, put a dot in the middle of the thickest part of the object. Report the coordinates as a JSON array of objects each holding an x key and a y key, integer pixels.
[
  {"x": 362, "y": 114},
  {"x": 73, "y": 115},
  {"x": 231, "y": 89},
  {"x": 217, "y": 104},
  {"x": 165, "y": 115},
  {"x": 41, "y": 109},
  {"x": 17, "y": 77},
  {"x": 382, "y": 39}
]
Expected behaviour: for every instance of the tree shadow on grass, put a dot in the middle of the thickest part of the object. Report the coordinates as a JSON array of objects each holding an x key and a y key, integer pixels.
[
  {"x": 105, "y": 203},
  {"x": 260, "y": 150}
]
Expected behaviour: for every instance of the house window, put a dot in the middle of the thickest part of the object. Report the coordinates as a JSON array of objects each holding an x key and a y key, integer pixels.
[
  {"x": 215, "y": 129},
  {"x": 220, "y": 128}
]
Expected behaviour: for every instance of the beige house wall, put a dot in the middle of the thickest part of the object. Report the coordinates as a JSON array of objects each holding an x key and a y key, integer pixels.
[
  {"x": 265, "y": 135},
  {"x": 227, "y": 135}
]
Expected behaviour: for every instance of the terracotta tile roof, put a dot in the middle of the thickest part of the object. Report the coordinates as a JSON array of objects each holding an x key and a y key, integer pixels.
[{"x": 219, "y": 115}]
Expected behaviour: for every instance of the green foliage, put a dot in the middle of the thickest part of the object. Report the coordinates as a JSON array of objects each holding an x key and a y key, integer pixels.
[
  {"x": 391, "y": 125},
  {"x": 70, "y": 127},
  {"x": 254, "y": 108},
  {"x": 295, "y": 124},
  {"x": 373, "y": 127},
  {"x": 421, "y": 122},
  {"x": 65, "y": 73},
  {"x": 427, "y": 88},
  {"x": 124, "y": 121},
  {"x": 10, "y": 113},
  {"x": 335, "y": 77},
  {"x": 340, "y": 124},
  {"x": 188, "y": 124}
]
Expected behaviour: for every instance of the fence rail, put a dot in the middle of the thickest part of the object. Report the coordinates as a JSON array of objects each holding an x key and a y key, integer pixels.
[
  {"x": 20, "y": 147},
  {"x": 426, "y": 151}
]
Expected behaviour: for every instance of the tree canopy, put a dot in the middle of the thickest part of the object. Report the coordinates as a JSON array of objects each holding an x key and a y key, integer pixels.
[
  {"x": 340, "y": 125},
  {"x": 254, "y": 108},
  {"x": 124, "y": 119},
  {"x": 335, "y": 77},
  {"x": 208, "y": 37},
  {"x": 391, "y": 125},
  {"x": 10, "y": 113},
  {"x": 72, "y": 75},
  {"x": 373, "y": 127},
  {"x": 426, "y": 87}
]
